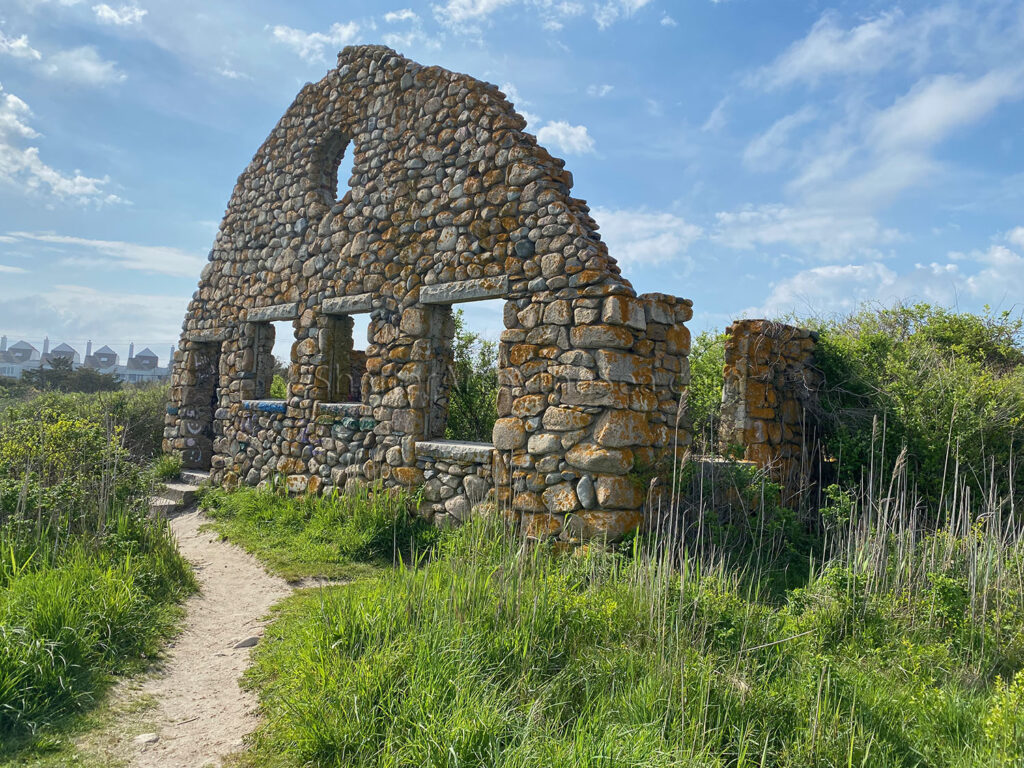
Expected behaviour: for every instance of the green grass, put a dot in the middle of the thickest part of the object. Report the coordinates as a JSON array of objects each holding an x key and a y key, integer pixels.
[
  {"x": 338, "y": 537},
  {"x": 90, "y": 586},
  {"x": 904, "y": 651}
]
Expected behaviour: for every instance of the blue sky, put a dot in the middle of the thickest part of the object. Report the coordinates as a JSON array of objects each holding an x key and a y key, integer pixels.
[{"x": 757, "y": 157}]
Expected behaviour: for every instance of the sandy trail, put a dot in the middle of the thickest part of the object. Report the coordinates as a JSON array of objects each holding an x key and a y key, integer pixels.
[{"x": 202, "y": 714}]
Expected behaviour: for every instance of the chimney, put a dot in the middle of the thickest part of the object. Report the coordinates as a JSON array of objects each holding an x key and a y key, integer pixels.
[
  {"x": 131, "y": 350},
  {"x": 3, "y": 343},
  {"x": 88, "y": 349},
  {"x": 46, "y": 345}
]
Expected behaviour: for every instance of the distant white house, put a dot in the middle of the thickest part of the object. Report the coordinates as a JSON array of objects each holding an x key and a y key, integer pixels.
[{"x": 22, "y": 356}]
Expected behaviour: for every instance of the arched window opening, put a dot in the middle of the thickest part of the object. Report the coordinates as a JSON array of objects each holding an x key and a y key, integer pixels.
[{"x": 335, "y": 161}]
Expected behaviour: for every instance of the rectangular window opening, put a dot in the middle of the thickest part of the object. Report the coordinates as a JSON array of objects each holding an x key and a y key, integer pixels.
[
  {"x": 344, "y": 356},
  {"x": 470, "y": 385}
]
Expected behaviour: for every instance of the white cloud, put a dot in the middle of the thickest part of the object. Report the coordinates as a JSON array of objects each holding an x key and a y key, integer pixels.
[
  {"x": 124, "y": 16},
  {"x": 310, "y": 45},
  {"x": 18, "y": 47},
  {"x": 830, "y": 50},
  {"x": 82, "y": 65},
  {"x": 872, "y": 156},
  {"x": 406, "y": 14},
  {"x": 1016, "y": 237},
  {"x": 768, "y": 151},
  {"x": 115, "y": 254},
  {"x": 78, "y": 312},
  {"x": 994, "y": 277},
  {"x": 643, "y": 238},
  {"x": 935, "y": 107},
  {"x": 571, "y": 139},
  {"x": 843, "y": 287},
  {"x": 717, "y": 119},
  {"x": 455, "y": 13},
  {"x": 826, "y": 234},
  {"x": 599, "y": 91},
  {"x": 232, "y": 74},
  {"x": 8, "y": 269},
  {"x": 21, "y": 166},
  {"x": 610, "y": 12},
  {"x": 668, "y": 21}
]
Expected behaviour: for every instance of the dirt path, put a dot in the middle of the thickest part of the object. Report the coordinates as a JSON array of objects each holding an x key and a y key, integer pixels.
[{"x": 201, "y": 713}]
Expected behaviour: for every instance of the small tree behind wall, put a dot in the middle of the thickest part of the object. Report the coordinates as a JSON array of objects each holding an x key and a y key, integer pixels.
[{"x": 473, "y": 403}]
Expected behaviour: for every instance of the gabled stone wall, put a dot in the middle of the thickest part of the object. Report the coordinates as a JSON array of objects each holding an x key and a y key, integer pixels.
[
  {"x": 449, "y": 201},
  {"x": 769, "y": 400}
]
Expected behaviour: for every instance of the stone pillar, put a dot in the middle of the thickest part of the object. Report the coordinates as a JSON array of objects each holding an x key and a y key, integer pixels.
[{"x": 769, "y": 399}]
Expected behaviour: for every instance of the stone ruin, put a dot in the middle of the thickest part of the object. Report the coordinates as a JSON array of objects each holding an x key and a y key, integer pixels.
[
  {"x": 769, "y": 402},
  {"x": 449, "y": 201}
]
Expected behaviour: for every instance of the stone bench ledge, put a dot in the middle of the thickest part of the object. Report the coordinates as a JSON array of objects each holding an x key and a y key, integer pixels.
[
  {"x": 455, "y": 450},
  {"x": 342, "y": 409},
  {"x": 265, "y": 406}
]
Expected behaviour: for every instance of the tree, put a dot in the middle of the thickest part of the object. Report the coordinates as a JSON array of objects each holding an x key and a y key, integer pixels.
[{"x": 61, "y": 376}]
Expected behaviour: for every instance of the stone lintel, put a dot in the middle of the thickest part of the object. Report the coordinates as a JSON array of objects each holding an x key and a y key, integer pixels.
[
  {"x": 342, "y": 409},
  {"x": 265, "y": 406},
  {"x": 478, "y": 289},
  {"x": 348, "y": 305},
  {"x": 455, "y": 450},
  {"x": 273, "y": 313},
  {"x": 208, "y": 334}
]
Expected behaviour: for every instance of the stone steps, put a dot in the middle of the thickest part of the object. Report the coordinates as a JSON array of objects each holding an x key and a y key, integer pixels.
[{"x": 176, "y": 496}]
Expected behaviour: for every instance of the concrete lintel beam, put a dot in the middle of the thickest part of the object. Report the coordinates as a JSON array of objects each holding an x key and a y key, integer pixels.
[
  {"x": 348, "y": 305},
  {"x": 273, "y": 313},
  {"x": 478, "y": 289}
]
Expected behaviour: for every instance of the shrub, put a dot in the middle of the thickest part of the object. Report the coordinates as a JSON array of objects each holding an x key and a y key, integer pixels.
[
  {"x": 947, "y": 387},
  {"x": 87, "y": 581},
  {"x": 704, "y": 396}
]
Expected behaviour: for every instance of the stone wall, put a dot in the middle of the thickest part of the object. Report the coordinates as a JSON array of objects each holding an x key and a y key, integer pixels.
[
  {"x": 449, "y": 201},
  {"x": 769, "y": 399}
]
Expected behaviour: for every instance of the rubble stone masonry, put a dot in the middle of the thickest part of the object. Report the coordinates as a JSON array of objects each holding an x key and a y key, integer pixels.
[
  {"x": 449, "y": 201},
  {"x": 769, "y": 400}
]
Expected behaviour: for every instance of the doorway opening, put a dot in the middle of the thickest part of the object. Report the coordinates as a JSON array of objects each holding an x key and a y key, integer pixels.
[{"x": 199, "y": 404}]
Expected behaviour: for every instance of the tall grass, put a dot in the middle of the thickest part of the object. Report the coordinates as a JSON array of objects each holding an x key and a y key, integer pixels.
[
  {"x": 88, "y": 582},
  {"x": 338, "y": 536},
  {"x": 903, "y": 647}
]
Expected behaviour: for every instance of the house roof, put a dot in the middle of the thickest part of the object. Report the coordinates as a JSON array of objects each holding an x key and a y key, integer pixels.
[
  {"x": 63, "y": 348},
  {"x": 147, "y": 352},
  {"x": 104, "y": 350},
  {"x": 21, "y": 345}
]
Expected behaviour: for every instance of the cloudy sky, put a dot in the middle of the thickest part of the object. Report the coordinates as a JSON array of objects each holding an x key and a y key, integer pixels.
[{"x": 757, "y": 157}]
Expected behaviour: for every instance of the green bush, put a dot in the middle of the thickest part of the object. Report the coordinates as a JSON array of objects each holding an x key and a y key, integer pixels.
[
  {"x": 704, "y": 395},
  {"x": 948, "y": 387}
]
